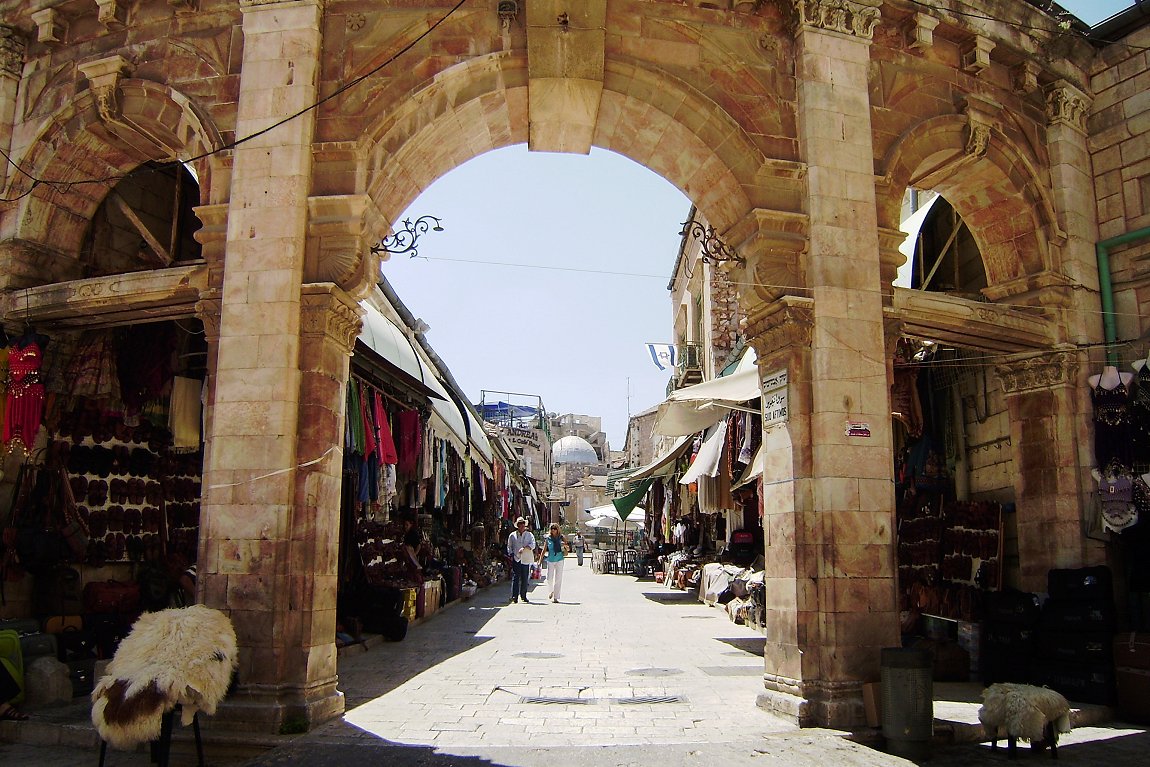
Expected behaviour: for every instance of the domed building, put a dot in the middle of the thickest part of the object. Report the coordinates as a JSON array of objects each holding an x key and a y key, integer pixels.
[{"x": 572, "y": 449}]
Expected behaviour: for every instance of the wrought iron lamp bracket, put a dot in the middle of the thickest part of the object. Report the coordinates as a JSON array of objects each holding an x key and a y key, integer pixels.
[
  {"x": 406, "y": 239},
  {"x": 712, "y": 248}
]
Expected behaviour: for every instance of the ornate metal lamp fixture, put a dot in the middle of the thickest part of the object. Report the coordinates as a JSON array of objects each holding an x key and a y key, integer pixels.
[
  {"x": 404, "y": 240},
  {"x": 714, "y": 250}
]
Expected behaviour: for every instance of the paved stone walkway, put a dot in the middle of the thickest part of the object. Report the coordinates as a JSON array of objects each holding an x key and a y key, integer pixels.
[{"x": 621, "y": 672}]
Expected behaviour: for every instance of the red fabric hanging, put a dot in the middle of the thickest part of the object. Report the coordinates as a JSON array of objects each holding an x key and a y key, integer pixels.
[{"x": 387, "y": 451}]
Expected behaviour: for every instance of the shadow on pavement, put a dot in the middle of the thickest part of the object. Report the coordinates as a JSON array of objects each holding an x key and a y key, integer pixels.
[
  {"x": 671, "y": 597},
  {"x": 751, "y": 645},
  {"x": 365, "y": 751},
  {"x": 1115, "y": 745}
]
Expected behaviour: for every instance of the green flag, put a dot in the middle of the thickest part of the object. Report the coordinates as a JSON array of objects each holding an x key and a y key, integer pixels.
[{"x": 628, "y": 502}]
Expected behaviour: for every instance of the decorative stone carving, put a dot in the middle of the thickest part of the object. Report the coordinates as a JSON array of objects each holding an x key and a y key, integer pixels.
[
  {"x": 104, "y": 76},
  {"x": 208, "y": 311},
  {"x": 1066, "y": 105},
  {"x": 113, "y": 14},
  {"x": 918, "y": 31},
  {"x": 184, "y": 6},
  {"x": 12, "y": 48},
  {"x": 980, "y": 118},
  {"x": 976, "y": 57},
  {"x": 1024, "y": 77},
  {"x": 847, "y": 17},
  {"x": 892, "y": 330},
  {"x": 1035, "y": 373},
  {"x": 785, "y": 324},
  {"x": 336, "y": 248},
  {"x": 329, "y": 312},
  {"x": 51, "y": 28},
  {"x": 355, "y": 22}
]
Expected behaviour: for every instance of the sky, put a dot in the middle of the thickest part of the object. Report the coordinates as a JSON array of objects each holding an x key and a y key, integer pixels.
[{"x": 550, "y": 276}]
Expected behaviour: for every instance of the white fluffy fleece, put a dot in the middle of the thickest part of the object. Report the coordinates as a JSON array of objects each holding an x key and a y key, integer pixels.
[
  {"x": 1022, "y": 711},
  {"x": 181, "y": 656}
]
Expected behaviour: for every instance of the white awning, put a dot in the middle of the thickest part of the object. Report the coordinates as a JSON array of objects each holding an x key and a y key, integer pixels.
[
  {"x": 694, "y": 408},
  {"x": 664, "y": 464},
  {"x": 479, "y": 439},
  {"x": 708, "y": 459},
  {"x": 384, "y": 338}
]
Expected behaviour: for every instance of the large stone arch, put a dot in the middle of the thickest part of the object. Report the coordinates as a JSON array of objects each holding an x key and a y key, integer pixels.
[
  {"x": 95, "y": 141},
  {"x": 988, "y": 180},
  {"x": 685, "y": 138}
]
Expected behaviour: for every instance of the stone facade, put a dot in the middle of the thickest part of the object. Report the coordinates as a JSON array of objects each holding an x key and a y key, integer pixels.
[{"x": 794, "y": 126}]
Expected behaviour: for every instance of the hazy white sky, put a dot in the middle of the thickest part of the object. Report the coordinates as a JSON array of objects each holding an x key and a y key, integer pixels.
[{"x": 551, "y": 274}]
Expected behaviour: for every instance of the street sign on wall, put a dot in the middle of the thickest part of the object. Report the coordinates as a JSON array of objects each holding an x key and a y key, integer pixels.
[{"x": 775, "y": 406}]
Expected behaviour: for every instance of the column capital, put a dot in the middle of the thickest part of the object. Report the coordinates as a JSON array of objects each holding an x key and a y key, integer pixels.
[
  {"x": 856, "y": 18},
  {"x": 12, "y": 47},
  {"x": 325, "y": 310},
  {"x": 1067, "y": 105},
  {"x": 1046, "y": 371},
  {"x": 787, "y": 322}
]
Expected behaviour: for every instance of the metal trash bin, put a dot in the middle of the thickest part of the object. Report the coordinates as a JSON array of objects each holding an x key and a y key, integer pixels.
[{"x": 907, "y": 701}]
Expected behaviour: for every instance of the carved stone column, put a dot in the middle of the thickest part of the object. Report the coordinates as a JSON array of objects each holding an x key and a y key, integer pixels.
[
  {"x": 265, "y": 540},
  {"x": 1041, "y": 394},
  {"x": 832, "y": 587},
  {"x": 11, "y": 69}
]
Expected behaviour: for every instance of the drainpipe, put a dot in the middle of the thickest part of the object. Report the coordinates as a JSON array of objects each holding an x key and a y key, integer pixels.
[{"x": 1106, "y": 288}]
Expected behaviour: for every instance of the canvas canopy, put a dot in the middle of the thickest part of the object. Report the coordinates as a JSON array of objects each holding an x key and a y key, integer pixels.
[{"x": 695, "y": 408}]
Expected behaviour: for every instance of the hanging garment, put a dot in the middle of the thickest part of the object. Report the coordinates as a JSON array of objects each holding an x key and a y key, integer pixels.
[
  {"x": 387, "y": 452},
  {"x": 370, "y": 433},
  {"x": 410, "y": 441},
  {"x": 144, "y": 362},
  {"x": 92, "y": 372},
  {"x": 24, "y": 408},
  {"x": 184, "y": 415},
  {"x": 355, "y": 418},
  {"x": 1140, "y": 418},
  {"x": 1111, "y": 425}
]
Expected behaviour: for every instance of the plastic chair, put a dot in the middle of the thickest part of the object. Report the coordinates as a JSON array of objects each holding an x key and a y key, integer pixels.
[
  {"x": 610, "y": 561},
  {"x": 630, "y": 560}
]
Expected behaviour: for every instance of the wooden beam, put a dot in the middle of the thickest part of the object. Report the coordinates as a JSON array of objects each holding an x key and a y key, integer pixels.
[{"x": 159, "y": 250}]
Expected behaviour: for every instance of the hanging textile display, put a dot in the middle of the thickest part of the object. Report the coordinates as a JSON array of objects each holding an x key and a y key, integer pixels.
[
  {"x": 24, "y": 408},
  {"x": 185, "y": 414}
]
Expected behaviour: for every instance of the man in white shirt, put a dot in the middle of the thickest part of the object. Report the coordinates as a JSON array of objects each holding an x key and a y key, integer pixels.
[{"x": 521, "y": 549}]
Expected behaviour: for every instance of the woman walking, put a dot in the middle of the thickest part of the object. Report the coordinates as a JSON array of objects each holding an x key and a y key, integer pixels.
[{"x": 555, "y": 550}]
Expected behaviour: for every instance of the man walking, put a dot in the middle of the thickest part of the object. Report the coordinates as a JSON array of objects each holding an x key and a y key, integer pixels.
[
  {"x": 579, "y": 544},
  {"x": 521, "y": 549}
]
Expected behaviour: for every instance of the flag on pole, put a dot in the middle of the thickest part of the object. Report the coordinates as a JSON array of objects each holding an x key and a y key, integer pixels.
[{"x": 663, "y": 355}]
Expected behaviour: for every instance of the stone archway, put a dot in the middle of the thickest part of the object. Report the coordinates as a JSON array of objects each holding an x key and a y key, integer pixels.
[{"x": 769, "y": 116}]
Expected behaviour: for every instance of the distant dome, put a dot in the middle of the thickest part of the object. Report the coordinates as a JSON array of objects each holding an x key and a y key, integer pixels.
[{"x": 573, "y": 450}]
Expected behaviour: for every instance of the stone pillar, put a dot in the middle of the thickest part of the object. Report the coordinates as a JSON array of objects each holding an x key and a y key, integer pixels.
[
  {"x": 11, "y": 69},
  {"x": 1041, "y": 395},
  {"x": 831, "y": 501},
  {"x": 264, "y": 536}
]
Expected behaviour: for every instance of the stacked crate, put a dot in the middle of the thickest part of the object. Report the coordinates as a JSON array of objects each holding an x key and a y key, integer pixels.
[
  {"x": 1008, "y": 635},
  {"x": 1076, "y": 635}
]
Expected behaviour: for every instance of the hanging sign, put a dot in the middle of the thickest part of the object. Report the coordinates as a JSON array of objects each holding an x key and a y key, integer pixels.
[{"x": 776, "y": 408}]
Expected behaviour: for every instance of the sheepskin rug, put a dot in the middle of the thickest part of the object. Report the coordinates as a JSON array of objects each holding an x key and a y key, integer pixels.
[
  {"x": 1022, "y": 711},
  {"x": 180, "y": 656}
]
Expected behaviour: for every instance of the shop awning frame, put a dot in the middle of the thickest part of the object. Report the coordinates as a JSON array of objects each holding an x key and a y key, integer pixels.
[{"x": 666, "y": 462}]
